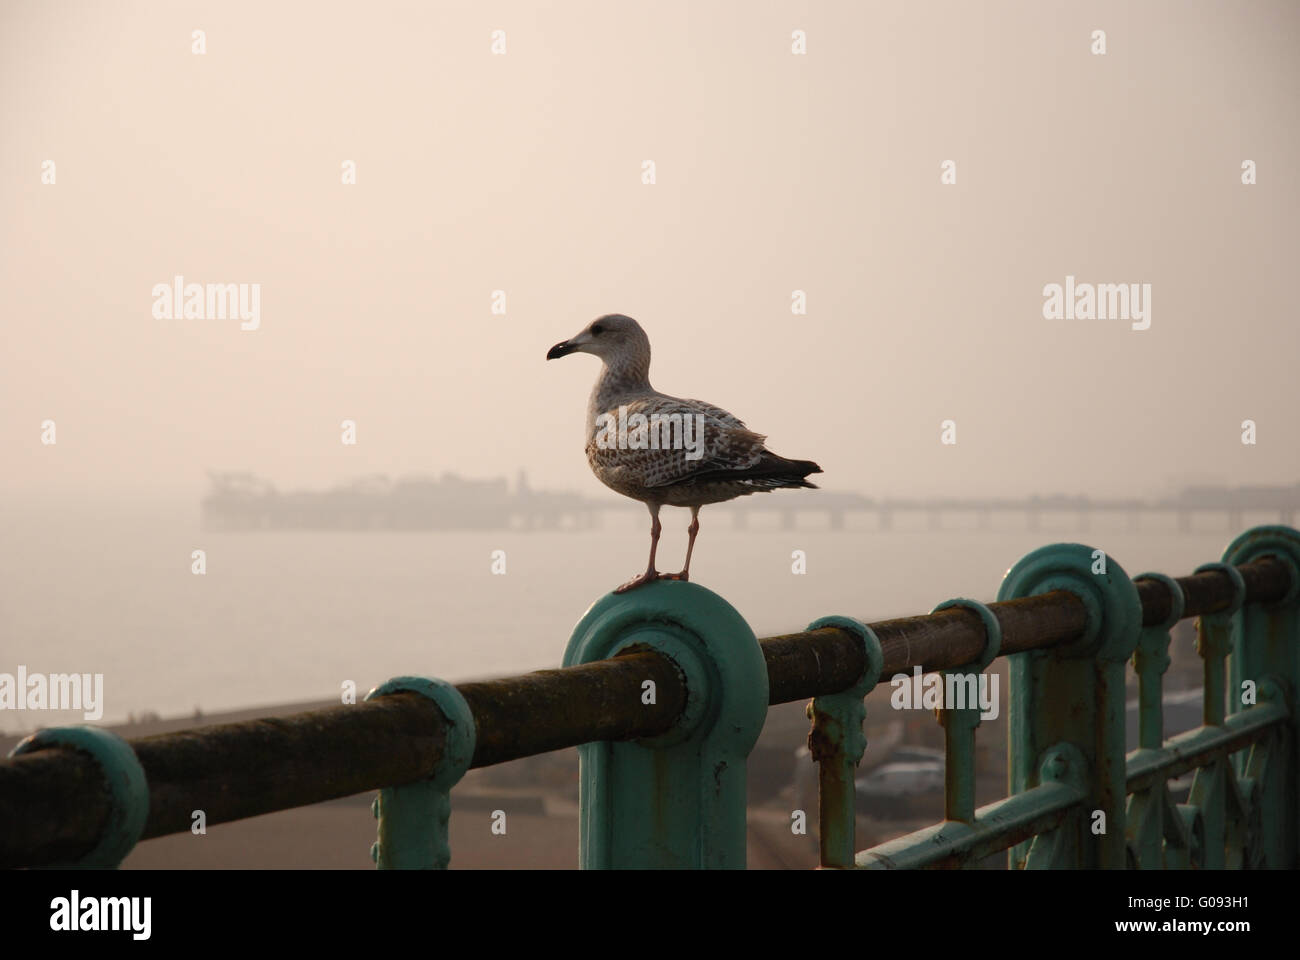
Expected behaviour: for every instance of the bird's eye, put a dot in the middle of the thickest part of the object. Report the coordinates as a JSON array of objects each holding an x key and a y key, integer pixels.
[{"x": 597, "y": 329}]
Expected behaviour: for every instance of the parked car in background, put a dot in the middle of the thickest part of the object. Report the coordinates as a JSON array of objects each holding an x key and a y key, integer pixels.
[{"x": 890, "y": 789}]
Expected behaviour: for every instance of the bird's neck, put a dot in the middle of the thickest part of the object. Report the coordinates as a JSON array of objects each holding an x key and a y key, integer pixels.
[{"x": 616, "y": 385}]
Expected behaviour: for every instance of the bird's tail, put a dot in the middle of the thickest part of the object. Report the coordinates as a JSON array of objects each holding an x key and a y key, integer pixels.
[
  {"x": 775, "y": 473},
  {"x": 793, "y": 472},
  {"x": 769, "y": 473}
]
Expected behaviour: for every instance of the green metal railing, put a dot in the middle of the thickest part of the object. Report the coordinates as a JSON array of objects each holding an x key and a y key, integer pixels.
[{"x": 665, "y": 689}]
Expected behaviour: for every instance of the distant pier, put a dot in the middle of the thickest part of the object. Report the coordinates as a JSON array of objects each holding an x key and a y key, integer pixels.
[
  {"x": 1231, "y": 503},
  {"x": 241, "y": 501}
]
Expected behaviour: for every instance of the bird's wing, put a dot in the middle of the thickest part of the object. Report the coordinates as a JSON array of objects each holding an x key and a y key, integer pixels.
[{"x": 709, "y": 440}]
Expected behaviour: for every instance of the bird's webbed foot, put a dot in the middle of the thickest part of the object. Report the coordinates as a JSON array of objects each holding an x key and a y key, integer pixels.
[{"x": 648, "y": 577}]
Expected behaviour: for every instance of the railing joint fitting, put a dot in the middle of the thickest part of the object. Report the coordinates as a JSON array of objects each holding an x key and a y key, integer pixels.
[{"x": 124, "y": 777}]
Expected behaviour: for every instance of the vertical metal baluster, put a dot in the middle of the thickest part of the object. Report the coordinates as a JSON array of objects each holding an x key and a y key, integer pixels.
[
  {"x": 1148, "y": 815},
  {"x": 959, "y": 723},
  {"x": 837, "y": 743},
  {"x": 413, "y": 817}
]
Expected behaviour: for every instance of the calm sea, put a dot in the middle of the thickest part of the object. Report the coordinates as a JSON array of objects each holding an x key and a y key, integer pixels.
[{"x": 289, "y": 616}]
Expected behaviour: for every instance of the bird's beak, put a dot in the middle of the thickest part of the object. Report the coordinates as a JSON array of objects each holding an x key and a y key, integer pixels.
[{"x": 561, "y": 349}]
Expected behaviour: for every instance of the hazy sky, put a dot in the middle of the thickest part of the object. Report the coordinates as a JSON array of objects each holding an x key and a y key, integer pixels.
[{"x": 774, "y": 172}]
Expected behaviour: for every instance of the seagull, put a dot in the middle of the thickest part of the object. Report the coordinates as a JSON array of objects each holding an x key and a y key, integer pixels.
[{"x": 664, "y": 450}]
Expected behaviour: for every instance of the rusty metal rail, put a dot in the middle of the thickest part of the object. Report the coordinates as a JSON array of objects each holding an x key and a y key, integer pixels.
[{"x": 55, "y": 805}]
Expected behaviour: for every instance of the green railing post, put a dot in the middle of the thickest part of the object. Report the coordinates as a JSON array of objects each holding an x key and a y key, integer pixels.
[
  {"x": 676, "y": 800},
  {"x": 413, "y": 817},
  {"x": 1158, "y": 831},
  {"x": 1216, "y": 794},
  {"x": 837, "y": 743},
  {"x": 123, "y": 777},
  {"x": 1266, "y": 656},
  {"x": 1075, "y": 694},
  {"x": 959, "y": 723}
]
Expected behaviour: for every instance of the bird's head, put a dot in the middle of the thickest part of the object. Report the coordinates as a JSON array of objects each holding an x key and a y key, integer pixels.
[{"x": 611, "y": 337}]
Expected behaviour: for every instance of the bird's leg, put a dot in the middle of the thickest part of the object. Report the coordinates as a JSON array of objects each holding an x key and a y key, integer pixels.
[
  {"x": 692, "y": 530},
  {"x": 650, "y": 572}
]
